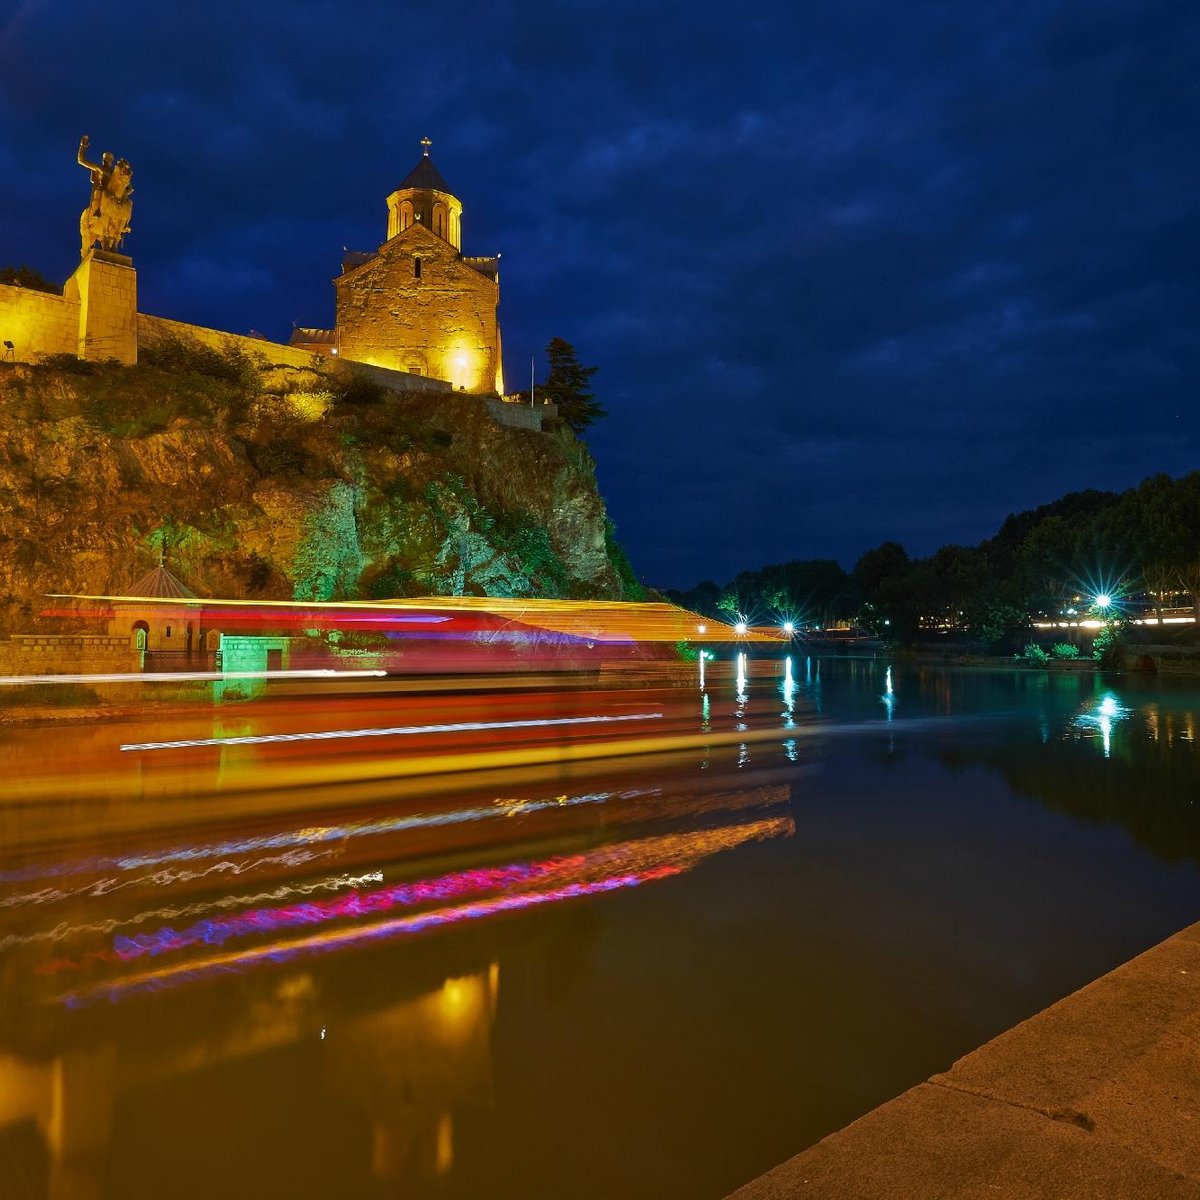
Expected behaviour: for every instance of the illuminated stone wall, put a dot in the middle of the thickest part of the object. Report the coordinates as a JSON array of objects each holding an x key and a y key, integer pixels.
[
  {"x": 38, "y": 322},
  {"x": 151, "y": 329},
  {"x": 417, "y": 306}
]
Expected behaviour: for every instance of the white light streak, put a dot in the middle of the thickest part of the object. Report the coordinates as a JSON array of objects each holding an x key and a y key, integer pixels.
[
  {"x": 189, "y": 676},
  {"x": 325, "y": 735}
]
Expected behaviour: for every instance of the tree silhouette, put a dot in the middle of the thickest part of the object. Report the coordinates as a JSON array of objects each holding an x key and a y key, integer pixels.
[{"x": 568, "y": 385}]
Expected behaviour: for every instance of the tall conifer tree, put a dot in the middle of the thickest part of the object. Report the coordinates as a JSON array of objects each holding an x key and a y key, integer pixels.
[{"x": 568, "y": 385}]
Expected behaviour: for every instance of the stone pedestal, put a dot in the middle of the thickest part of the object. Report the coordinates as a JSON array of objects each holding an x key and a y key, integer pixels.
[{"x": 105, "y": 285}]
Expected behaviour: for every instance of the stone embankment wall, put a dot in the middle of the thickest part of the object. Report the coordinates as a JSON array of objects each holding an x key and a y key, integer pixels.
[{"x": 44, "y": 654}]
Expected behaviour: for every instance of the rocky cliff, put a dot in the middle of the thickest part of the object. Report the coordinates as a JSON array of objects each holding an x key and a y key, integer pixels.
[{"x": 283, "y": 483}]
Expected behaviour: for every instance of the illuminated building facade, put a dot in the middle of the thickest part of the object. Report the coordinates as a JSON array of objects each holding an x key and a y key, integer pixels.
[{"x": 417, "y": 304}]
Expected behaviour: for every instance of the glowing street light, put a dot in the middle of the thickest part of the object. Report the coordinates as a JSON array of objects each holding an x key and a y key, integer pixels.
[
  {"x": 1103, "y": 600},
  {"x": 740, "y": 627},
  {"x": 788, "y": 627}
]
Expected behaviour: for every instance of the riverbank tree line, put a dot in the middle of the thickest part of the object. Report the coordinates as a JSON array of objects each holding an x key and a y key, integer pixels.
[{"x": 1140, "y": 547}]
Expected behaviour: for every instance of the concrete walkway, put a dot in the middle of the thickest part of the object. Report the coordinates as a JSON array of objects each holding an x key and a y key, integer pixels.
[{"x": 1096, "y": 1097}]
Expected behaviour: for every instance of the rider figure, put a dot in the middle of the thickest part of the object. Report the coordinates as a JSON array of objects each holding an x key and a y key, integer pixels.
[{"x": 101, "y": 173}]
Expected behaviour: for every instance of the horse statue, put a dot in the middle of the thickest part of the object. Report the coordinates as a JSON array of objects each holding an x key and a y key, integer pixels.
[{"x": 106, "y": 218}]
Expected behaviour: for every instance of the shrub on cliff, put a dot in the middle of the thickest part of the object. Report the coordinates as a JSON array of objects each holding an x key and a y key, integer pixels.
[
  {"x": 187, "y": 356},
  {"x": 356, "y": 390}
]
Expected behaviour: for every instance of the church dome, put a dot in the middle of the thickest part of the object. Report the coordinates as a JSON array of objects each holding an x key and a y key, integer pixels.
[
  {"x": 424, "y": 198},
  {"x": 425, "y": 175}
]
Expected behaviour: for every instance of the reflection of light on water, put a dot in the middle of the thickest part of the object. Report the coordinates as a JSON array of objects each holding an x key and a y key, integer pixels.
[
  {"x": 789, "y": 748},
  {"x": 283, "y": 891},
  {"x": 444, "y": 1157},
  {"x": 705, "y": 713},
  {"x": 215, "y": 932},
  {"x": 310, "y": 835},
  {"x": 741, "y": 678},
  {"x": 165, "y": 877},
  {"x": 702, "y": 656},
  {"x": 602, "y": 870},
  {"x": 889, "y": 694},
  {"x": 789, "y": 695},
  {"x": 1102, "y": 717}
]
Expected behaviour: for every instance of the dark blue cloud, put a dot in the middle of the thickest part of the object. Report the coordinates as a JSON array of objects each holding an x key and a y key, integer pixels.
[{"x": 850, "y": 272}]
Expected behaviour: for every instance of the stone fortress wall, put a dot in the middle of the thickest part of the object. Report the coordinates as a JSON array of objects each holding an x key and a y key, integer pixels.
[
  {"x": 42, "y": 323},
  {"x": 38, "y": 323}
]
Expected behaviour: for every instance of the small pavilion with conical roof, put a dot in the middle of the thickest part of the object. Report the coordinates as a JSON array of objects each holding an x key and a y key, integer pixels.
[
  {"x": 174, "y": 630},
  {"x": 159, "y": 583}
]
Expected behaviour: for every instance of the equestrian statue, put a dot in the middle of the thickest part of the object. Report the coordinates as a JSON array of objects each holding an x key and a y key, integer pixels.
[{"x": 106, "y": 218}]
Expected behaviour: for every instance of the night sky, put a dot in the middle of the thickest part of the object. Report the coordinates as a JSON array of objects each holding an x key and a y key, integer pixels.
[{"x": 850, "y": 272}]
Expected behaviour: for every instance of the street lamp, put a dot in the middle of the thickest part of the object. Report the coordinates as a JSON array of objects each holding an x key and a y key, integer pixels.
[
  {"x": 1103, "y": 601},
  {"x": 740, "y": 627}
]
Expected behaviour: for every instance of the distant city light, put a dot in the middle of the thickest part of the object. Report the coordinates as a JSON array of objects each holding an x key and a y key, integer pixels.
[{"x": 1103, "y": 601}]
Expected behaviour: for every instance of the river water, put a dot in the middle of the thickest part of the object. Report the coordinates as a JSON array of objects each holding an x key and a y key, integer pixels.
[{"x": 655, "y": 980}]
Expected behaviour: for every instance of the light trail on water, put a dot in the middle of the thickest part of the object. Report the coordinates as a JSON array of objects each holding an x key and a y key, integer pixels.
[
  {"x": 189, "y": 676},
  {"x": 314, "y": 835},
  {"x": 263, "y": 739}
]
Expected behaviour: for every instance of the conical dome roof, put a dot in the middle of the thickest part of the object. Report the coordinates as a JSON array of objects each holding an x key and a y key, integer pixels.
[
  {"x": 161, "y": 584},
  {"x": 425, "y": 175}
]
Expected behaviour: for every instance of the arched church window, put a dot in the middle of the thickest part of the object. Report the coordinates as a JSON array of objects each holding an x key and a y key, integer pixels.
[
  {"x": 416, "y": 267},
  {"x": 439, "y": 220},
  {"x": 406, "y": 215}
]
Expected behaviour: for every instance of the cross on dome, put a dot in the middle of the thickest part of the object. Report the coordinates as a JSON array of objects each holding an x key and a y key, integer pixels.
[{"x": 426, "y": 143}]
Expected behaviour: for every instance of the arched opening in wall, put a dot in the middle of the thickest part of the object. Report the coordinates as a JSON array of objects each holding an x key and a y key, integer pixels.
[
  {"x": 406, "y": 215},
  {"x": 416, "y": 267},
  {"x": 455, "y": 233},
  {"x": 190, "y": 638},
  {"x": 439, "y": 220},
  {"x": 139, "y": 635}
]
